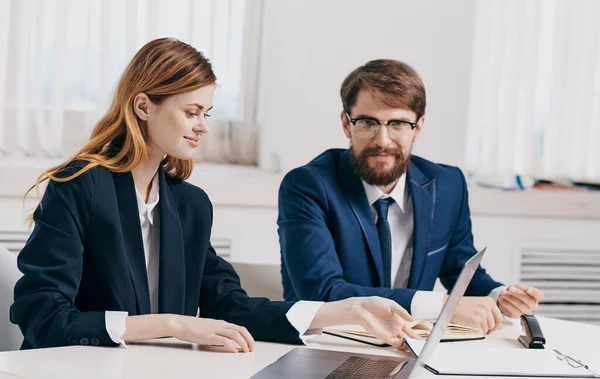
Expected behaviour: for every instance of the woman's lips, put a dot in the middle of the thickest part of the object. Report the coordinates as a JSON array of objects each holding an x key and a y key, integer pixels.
[{"x": 194, "y": 141}]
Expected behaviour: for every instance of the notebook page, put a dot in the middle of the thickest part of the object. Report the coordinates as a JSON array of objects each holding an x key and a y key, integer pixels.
[{"x": 456, "y": 359}]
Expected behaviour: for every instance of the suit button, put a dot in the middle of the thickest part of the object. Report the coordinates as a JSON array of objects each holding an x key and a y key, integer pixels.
[
  {"x": 72, "y": 342},
  {"x": 84, "y": 341},
  {"x": 95, "y": 341}
]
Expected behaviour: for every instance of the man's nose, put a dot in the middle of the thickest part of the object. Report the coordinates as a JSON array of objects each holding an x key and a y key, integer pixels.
[{"x": 382, "y": 138}]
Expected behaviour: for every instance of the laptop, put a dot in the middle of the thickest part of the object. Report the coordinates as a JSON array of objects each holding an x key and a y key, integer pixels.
[{"x": 307, "y": 363}]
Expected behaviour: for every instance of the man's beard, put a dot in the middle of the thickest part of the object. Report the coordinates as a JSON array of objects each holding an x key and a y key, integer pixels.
[{"x": 378, "y": 176}]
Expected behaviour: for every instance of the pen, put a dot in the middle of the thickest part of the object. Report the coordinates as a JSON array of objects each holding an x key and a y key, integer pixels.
[{"x": 562, "y": 357}]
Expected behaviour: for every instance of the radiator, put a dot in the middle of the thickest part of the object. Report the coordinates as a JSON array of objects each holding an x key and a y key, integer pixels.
[
  {"x": 15, "y": 240},
  {"x": 569, "y": 277}
]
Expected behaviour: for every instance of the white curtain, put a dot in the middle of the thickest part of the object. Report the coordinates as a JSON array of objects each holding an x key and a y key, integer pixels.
[
  {"x": 60, "y": 61},
  {"x": 535, "y": 89}
]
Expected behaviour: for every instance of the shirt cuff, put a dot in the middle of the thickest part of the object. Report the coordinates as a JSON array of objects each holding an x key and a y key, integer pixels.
[
  {"x": 116, "y": 326},
  {"x": 427, "y": 305},
  {"x": 301, "y": 315},
  {"x": 495, "y": 293}
]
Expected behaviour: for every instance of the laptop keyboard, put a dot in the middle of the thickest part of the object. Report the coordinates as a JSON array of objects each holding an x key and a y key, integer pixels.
[{"x": 357, "y": 367}]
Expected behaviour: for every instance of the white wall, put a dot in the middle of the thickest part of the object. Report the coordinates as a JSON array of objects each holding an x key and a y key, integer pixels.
[{"x": 311, "y": 45}]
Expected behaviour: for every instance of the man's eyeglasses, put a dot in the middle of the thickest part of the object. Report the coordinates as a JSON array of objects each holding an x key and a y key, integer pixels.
[{"x": 368, "y": 127}]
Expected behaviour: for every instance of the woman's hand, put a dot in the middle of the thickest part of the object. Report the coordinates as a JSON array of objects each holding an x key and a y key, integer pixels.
[
  {"x": 206, "y": 331},
  {"x": 382, "y": 317},
  {"x": 203, "y": 331},
  {"x": 385, "y": 319}
]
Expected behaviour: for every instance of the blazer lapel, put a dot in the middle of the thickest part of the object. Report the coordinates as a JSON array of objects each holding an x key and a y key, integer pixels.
[
  {"x": 171, "y": 285},
  {"x": 422, "y": 190},
  {"x": 132, "y": 239},
  {"x": 357, "y": 199}
]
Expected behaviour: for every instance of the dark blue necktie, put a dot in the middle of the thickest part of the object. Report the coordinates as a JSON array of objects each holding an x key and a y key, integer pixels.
[{"x": 385, "y": 238}]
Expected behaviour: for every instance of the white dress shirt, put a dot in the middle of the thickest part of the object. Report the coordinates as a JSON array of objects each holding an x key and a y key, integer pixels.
[
  {"x": 300, "y": 314},
  {"x": 425, "y": 305}
]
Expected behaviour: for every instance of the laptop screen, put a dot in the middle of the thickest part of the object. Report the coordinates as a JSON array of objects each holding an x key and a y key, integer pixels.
[{"x": 448, "y": 311}]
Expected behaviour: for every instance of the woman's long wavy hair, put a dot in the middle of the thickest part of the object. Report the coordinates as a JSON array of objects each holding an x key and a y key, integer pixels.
[{"x": 162, "y": 68}]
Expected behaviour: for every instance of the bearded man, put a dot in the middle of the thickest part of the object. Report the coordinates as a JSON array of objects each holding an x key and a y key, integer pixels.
[{"x": 375, "y": 220}]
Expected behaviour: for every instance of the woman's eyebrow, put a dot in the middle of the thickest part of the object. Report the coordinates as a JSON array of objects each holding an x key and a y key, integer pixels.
[{"x": 200, "y": 107}]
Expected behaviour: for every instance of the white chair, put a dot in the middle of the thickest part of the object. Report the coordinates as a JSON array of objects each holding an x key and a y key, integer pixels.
[
  {"x": 10, "y": 335},
  {"x": 260, "y": 280}
]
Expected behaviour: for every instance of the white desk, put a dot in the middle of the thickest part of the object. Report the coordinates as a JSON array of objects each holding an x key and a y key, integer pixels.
[{"x": 173, "y": 359}]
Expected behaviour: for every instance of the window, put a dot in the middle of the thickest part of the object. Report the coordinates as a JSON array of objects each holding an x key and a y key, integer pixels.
[
  {"x": 60, "y": 61},
  {"x": 535, "y": 89}
]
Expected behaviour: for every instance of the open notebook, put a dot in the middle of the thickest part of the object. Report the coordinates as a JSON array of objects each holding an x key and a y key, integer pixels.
[{"x": 422, "y": 327}]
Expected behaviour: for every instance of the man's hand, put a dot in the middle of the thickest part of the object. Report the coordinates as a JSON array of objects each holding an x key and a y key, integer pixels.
[
  {"x": 519, "y": 299},
  {"x": 478, "y": 312}
]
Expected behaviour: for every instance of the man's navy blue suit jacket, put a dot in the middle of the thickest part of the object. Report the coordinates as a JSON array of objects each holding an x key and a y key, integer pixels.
[{"x": 329, "y": 243}]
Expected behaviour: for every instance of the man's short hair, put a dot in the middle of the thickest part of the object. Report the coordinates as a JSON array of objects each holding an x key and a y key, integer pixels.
[{"x": 395, "y": 83}]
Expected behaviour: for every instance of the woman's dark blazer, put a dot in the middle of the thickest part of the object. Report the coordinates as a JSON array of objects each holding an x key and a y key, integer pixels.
[{"x": 85, "y": 256}]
